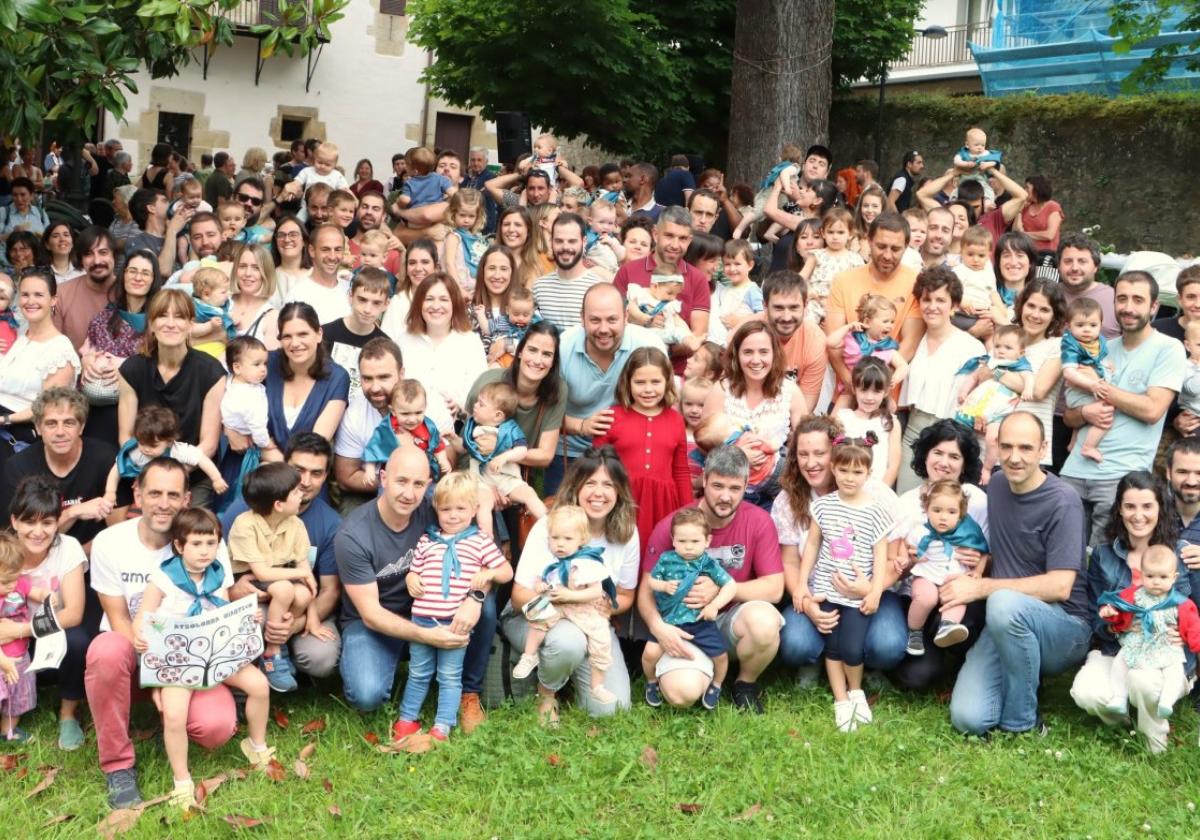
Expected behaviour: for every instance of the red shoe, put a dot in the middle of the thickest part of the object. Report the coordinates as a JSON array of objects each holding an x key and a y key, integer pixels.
[
  {"x": 401, "y": 729},
  {"x": 438, "y": 735}
]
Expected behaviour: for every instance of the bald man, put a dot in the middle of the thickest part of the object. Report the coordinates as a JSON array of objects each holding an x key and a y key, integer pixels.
[{"x": 1037, "y": 604}]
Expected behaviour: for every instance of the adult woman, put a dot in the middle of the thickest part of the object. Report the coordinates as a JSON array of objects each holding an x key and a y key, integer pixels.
[
  {"x": 24, "y": 250},
  {"x": 871, "y": 202},
  {"x": 123, "y": 226},
  {"x": 155, "y": 175},
  {"x": 963, "y": 219},
  {"x": 40, "y": 358},
  {"x": 306, "y": 391},
  {"x": 253, "y": 163},
  {"x": 420, "y": 261},
  {"x": 757, "y": 394},
  {"x": 1143, "y": 515},
  {"x": 591, "y": 179},
  {"x": 253, "y": 287},
  {"x": 170, "y": 373},
  {"x": 492, "y": 282},
  {"x": 1016, "y": 262},
  {"x": 1041, "y": 218},
  {"x": 57, "y": 241},
  {"x": 364, "y": 179},
  {"x": 289, "y": 246},
  {"x": 637, "y": 235},
  {"x": 439, "y": 347},
  {"x": 113, "y": 336},
  {"x": 806, "y": 477},
  {"x": 514, "y": 228},
  {"x": 597, "y": 482},
  {"x": 1042, "y": 313},
  {"x": 543, "y": 217},
  {"x": 929, "y": 389},
  {"x": 54, "y": 562}
]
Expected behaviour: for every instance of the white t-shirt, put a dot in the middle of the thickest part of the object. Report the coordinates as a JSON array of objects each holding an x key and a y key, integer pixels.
[
  {"x": 447, "y": 369},
  {"x": 622, "y": 561},
  {"x": 331, "y": 304},
  {"x": 361, "y": 418},
  {"x": 65, "y": 554},
  {"x": 175, "y": 601},
  {"x": 122, "y": 564}
]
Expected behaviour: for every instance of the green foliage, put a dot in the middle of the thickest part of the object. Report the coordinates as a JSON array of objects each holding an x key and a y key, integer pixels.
[
  {"x": 62, "y": 59},
  {"x": 638, "y": 76},
  {"x": 1135, "y": 22}
]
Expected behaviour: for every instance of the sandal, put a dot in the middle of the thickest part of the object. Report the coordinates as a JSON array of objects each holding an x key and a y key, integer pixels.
[{"x": 547, "y": 709}]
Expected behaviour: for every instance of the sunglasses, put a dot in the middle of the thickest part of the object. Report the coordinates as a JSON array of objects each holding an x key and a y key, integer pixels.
[{"x": 249, "y": 199}]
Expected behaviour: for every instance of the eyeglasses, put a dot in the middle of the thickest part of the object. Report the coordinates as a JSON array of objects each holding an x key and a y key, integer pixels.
[
  {"x": 249, "y": 199},
  {"x": 292, "y": 234}
]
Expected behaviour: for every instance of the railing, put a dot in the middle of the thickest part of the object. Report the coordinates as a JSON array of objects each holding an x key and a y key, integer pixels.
[
  {"x": 254, "y": 12},
  {"x": 941, "y": 52}
]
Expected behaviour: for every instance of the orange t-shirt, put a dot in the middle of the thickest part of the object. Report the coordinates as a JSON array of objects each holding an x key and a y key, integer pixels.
[
  {"x": 849, "y": 287},
  {"x": 805, "y": 359}
]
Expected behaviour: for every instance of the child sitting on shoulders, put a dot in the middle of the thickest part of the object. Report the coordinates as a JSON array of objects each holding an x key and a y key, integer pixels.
[
  {"x": 545, "y": 157},
  {"x": 980, "y": 296},
  {"x": 323, "y": 171},
  {"x": 19, "y": 600},
  {"x": 785, "y": 174},
  {"x": 423, "y": 186},
  {"x": 578, "y": 588},
  {"x": 662, "y": 298},
  {"x": 155, "y": 434},
  {"x": 671, "y": 579},
  {"x": 974, "y": 159},
  {"x": 1085, "y": 365},
  {"x": 871, "y": 335},
  {"x": 269, "y": 543},
  {"x": 406, "y": 423},
  {"x": 992, "y": 388}
]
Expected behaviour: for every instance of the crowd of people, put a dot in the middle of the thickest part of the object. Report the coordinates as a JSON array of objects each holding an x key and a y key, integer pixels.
[{"x": 627, "y": 422}]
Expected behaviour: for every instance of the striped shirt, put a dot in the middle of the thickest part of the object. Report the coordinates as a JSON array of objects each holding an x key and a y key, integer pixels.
[
  {"x": 846, "y": 530},
  {"x": 476, "y": 552},
  {"x": 561, "y": 301}
]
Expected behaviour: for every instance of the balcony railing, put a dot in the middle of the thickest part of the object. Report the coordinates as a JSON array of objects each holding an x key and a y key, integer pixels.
[
  {"x": 254, "y": 12},
  {"x": 943, "y": 52}
]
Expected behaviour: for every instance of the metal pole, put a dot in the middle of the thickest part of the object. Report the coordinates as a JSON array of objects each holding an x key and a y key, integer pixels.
[{"x": 883, "y": 76}]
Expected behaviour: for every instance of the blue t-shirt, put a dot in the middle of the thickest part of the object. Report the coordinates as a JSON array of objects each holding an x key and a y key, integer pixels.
[
  {"x": 669, "y": 190},
  {"x": 426, "y": 189},
  {"x": 1158, "y": 362},
  {"x": 320, "y": 521}
]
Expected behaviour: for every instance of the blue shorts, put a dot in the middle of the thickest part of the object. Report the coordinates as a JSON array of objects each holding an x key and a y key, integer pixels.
[{"x": 705, "y": 636}]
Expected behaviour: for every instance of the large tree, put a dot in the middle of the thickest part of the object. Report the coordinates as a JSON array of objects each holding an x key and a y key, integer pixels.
[{"x": 1134, "y": 22}]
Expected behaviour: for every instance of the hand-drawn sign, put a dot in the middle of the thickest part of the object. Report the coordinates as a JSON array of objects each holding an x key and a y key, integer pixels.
[{"x": 203, "y": 650}]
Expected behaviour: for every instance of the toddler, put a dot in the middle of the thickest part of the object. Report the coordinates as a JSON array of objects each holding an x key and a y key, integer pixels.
[
  {"x": 423, "y": 186},
  {"x": 450, "y": 563},
  {"x": 342, "y": 209},
  {"x": 545, "y": 157},
  {"x": 580, "y": 569},
  {"x": 692, "y": 395},
  {"x": 465, "y": 244},
  {"x": 671, "y": 579},
  {"x": 155, "y": 434},
  {"x": 870, "y": 412},
  {"x": 9, "y": 326},
  {"x": 191, "y": 582},
  {"x": 979, "y": 296},
  {"x": 662, "y": 298},
  {"x": 1189, "y": 394},
  {"x": 975, "y": 158},
  {"x": 719, "y": 430},
  {"x": 373, "y": 253},
  {"x": 213, "y": 325},
  {"x": 325, "y": 158},
  {"x": 1142, "y": 617},
  {"x": 519, "y": 315},
  {"x": 870, "y": 335},
  {"x": 495, "y": 447},
  {"x": 993, "y": 386},
  {"x": 786, "y": 173},
  {"x": 737, "y": 300},
  {"x": 19, "y": 599},
  {"x": 708, "y": 362},
  {"x": 835, "y": 257},
  {"x": 244, "y": 404},
  {"x": 1085, "y": 365},
  {"x": 406, "y": 422},
  {"x": 604, "y": 249},
  {"x": 270, "y": 544},
  {"x": 947, "y": 527},
  {"x": 918, "y": 230}
]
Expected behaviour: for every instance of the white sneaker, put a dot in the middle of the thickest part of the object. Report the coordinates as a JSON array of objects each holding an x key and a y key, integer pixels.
[
  {"x": 860, "y": 706},
  {"x": 525, "y": 666},
  {"x": 843, "y": 715}
]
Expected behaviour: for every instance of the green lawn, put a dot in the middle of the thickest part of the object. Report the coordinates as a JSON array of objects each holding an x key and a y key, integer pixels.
[{"x": 786, "y": 774}]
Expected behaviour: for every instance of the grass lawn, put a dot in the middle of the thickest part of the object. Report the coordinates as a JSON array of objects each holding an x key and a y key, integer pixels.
[{"x": 786, "y": 774}]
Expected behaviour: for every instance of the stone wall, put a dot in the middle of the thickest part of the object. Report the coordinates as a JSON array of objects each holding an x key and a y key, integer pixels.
[{"x": 1130, "y": 165}]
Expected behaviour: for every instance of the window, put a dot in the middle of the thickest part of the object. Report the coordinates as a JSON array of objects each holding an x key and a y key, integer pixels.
[
  {"x": 176, "y": 129},
  {"x": 392, "y": 7},
  {"x": 292, "y": 128}
]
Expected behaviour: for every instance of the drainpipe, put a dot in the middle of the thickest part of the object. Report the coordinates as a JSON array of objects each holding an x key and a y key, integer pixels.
[{"x": 425, "y": 103}]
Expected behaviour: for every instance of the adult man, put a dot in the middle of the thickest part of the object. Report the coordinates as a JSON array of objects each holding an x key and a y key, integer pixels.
[
  {"x": 399, "y": 166},
  {"x": 103, "y": 163},
  {"x": 785, "y": 296},
  {"x": 866, "y": 172},
  {"x": 476, "y": 178},
  {"x": 537, "y": 189},
  {"x": 883, "y": 275},
  {"x": 315, "y": 651},
  {"x": 971, "y": 193},
  {"x": 204, "y": 240},
  {"x": 324, "y": 290},
  {"x": 643, "y": 177},
  {"x": 900, "y": 195},
  {"x": 746, "y": 544},
  {"x": 370, "y": 217},
  {"x": 123, "y": 557},
  {"x": 22, "y": 214},
  {"x": 251, "y": 192},
  {"x": 206, "y": 168},
  {"x": 149, "y": 211},
  {"x": 374, "y": 550},
  {"x": 705, "y": 207},
  {"x": 559, "y": 295},
  {"x": 450, "y": 165},
  {"x": 1037, "y": 605},
  {"x": 1148, "y": 371},
  {"x": 299, "y": 159},
  {"x": 220, "y": 183},
  {"x": 673, "y": 234},
  {"x": 817, "y": 161},
  {"x": 939, "y": 232},
  {"x": 59, "y": 415},
  {"x": 83, "y": 298},
  {"x": 676, "y": 183}
]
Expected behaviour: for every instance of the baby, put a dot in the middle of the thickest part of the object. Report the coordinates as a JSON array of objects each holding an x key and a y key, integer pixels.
[
  {"x": 719, "y": 430},
  {"x": 947, "y": 527},
  {"x": 213, "y": 325},
  {"x": 993, "y": 386},
  {"x": 662, "y": 298},
  {"x": 870, "y": 335},
  {"x": 406, "y": 422},
  {"x": 580, "y": 568},
  {"x": 191, "y": 197},
  {"x": 975, "y": 158},
  {"x": 604, "y": 250},
  {"x": 1143, "y": 617},
  {"x": 519, "y": 316},
  {"x": 1085, "y": 365},
  {"x": 423, "y": 186},
  {"x": 1189, "y": 394},
  {"x": 325, "y": 158},
  {"x": 496, "y": 445},
  {"x": 980, "y": 296},
  {"x": 8, "y": 318},
  {"x": 671, "y": 580},
  {"x": 156, "y": 433},
  {"x": 787, "y": 174},
  {"x": 373, "y": 253},
  {"x": 244, "y": 405},
  {"x": 19, "y": 599},
  {"x": 545, "y": 157}
]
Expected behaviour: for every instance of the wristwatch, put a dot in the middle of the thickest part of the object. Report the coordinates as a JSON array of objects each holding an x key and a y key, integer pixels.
[{"x": 477, "y": 595}]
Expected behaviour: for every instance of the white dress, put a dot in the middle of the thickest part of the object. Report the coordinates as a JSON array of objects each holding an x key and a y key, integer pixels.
[
  {"x": 447, "y": 369},
  {"x": 26, "y": 365}
]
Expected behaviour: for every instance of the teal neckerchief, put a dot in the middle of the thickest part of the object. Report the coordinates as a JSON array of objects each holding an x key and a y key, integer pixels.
[
  {"x": 562, "y": 568},
  {"x": 655, "y": 310},
  {"x": 695, "y": 567},
  {"x": 137, "y": 320},
  {"x": 451, "y": 566},
  {"x": 869, "y": 347},
  {"x": 1144, "y": 615},
  {"x": 1009, "y": 296},
  {"x": 736, "y": 435},
  {"x": 1020, "y": 365},
  {"x": 126, "y": 468},
  {"x": 206, "y": 312},
  {"x": 966, "y": 534},
  {"x": 214, "y": 576}
]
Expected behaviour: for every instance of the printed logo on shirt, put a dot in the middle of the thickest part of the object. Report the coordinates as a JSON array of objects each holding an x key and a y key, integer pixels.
[
  {"x": 66, "y": 503},
  {"x": 731, "y": 557},
  {"x": 135, "y": 577},
  {"x": 400, "y": 567}
]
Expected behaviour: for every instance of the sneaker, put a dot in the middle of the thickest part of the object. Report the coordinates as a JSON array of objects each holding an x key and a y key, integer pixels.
[
  {"x": 17, "y": 736},
  {"x": 950, "y": 633},
  {"x": 279, "y": 673},
  {"x": 654, "y": 697},
  {"x": 123, "y": 789},
  {"x": 915, "y": 646},
  {"x": 70, "y": 735},
  {"x": 862, "y": 709},
  {"x": 712, "y": 696},
  {"x": 746, "y": 697},
  {"x": 402, "y": 729},
  {"x": 257, "y": 758},
  {"x": 843, "y": 715},
  {"x": 408, "y": 736},
  {"x": 470, "y": 713},
  {"x": 184, "y": 795},
  {"x": 439, "y": 733},
  {"x": 525, "y": 666}
]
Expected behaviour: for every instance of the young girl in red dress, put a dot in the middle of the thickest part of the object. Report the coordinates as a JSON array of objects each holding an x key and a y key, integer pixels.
[{"x": 650, "y": 438}]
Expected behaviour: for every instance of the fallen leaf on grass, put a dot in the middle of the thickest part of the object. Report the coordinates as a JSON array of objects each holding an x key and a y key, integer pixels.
[
  {"x": 689, "y": 807},
  {"x": 118, "y": 822},
  {"x": 328, "y": 785},
  {"x": 650, "y": 758},
  {"x": 371, "y": 738},
  {"x": 139, "y": 735},
  {"x": 750, "y": 813},
  {"x": 208, "y": 787},
  {"x": 22, "y": 773},
  {"x": 48, "y": 774},
  {"x": 554, "y": 760},
  {"x": 239, "y": 773},
  {"x": 239, "y": 821},
  {"x": 793, "y": 733},
  {"x": 61, "y": 818},
  {"x": 309, "y": 749},
  {"x": 315, "y": 725},
  {"x": 9, "y": 761},
  {"x": 335, "y": 811},
  {"x": 300, "y": 769},
  {"x": 281, "y": 719},
  {"x": 274, "y": 771}
]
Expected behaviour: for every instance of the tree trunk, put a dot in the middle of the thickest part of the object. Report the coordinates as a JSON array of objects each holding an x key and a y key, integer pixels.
[{"x": 782, "y": 82}]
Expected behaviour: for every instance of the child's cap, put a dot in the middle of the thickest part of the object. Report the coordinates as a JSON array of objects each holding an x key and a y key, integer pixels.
[{"x": 661, "y": 279}]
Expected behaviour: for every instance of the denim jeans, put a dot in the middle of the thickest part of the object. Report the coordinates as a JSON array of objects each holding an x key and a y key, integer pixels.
[
  {"x": 801, "y": 644},
  {"x": 423, "y": 661},
  {"x": 1024, "y": 638},
  {"x": 480, "y": 647},
  {"x": 368, "y": 665}
]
